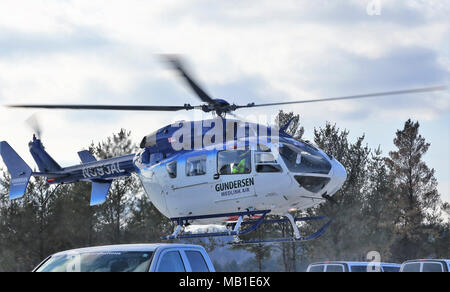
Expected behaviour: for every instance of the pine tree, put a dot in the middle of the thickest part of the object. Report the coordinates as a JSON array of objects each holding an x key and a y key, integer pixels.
[
  {"x": 379, "y": 209},
  {"x": 342, "y": 239},
  {"x": 75, "y": 221},
  {"x": 416, "y": 188},
  {"x": 145, "y": 223},
  {"x": 112, "y": 212}
]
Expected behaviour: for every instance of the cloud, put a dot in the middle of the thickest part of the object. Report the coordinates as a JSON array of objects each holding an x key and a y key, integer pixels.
[
  {"x": 247, "y": 13},
  {"x": 20, "y": 44},
  {"x": 401, "y": 68}
]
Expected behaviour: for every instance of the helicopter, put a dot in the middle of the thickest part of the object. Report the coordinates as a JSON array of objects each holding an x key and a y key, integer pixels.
[{"x": 213, "y": 171}]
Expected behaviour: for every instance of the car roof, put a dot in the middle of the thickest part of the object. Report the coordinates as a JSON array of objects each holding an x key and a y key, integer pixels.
[
  {"x": 145, "y": 247},
  {"x": 352, "y": 263},
  {"x": 427, "y": 260}
]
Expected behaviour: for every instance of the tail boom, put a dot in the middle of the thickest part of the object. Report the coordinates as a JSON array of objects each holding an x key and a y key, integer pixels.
[
  {"x": 100, "y": 173},
  {"x": 102, "y": 170}
]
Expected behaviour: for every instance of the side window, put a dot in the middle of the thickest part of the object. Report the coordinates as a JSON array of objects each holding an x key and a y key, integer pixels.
[
  {"x": 266, "y": 162},
  {"x": 432, "y": 267},
  {"x": 171, "y": 168},
  {"x": 335, "y": 268},
  {"x": 264, "y": 157},
  {"x": 197, "y": 261},
  {"x": 412, "y": 267},
  {"x": 171, "y": 262},
  {"x": 234, "y": 162},
  {"x": 196, "y": 165},
  {"x": 316, "y": 268}
]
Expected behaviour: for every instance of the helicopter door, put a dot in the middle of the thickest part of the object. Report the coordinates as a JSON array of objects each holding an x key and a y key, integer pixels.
[
  {"x": 270, "y": 181},
  {"x": 192, "y": 185},
  {"x": 235, "y": 180}
]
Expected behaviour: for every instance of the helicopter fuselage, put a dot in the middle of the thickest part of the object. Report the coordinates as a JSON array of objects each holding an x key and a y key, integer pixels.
[{"x": 280, "y": 176}]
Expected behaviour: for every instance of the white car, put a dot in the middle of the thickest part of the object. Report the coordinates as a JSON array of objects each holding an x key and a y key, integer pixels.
[
  {"x": 428, "y": 265},
  {"x": 130, "y": 258},
  {"x": 342, "y": 266}
]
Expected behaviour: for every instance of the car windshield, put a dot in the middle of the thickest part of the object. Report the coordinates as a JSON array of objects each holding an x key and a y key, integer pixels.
[
  {"x": 98, "y": 262},
  {"x": 303, "y": 158}
]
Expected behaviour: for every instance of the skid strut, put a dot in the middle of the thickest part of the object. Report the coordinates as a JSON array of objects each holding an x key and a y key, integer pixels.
[
  {"x": 253, "y": 225},
  {"x": 297, "y": 237}
]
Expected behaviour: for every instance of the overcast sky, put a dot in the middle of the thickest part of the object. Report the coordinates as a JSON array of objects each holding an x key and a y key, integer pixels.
[{"x": 105, "y": 52}]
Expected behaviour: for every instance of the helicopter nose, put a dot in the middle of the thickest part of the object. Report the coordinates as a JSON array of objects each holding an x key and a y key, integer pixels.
[
  {"x": 340, "y": 173},
  {"x": 339, "y": 176}
]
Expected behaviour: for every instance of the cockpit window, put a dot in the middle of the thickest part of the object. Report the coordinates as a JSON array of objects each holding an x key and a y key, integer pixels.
[
  {"x": 196, "y": 166},
  {"x": 303, "y": 158},
  {"x": 312, "y": 183},
  {"x": 234, "y": 162}
]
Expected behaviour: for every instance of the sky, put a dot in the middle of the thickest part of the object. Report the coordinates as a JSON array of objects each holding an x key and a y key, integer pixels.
[{"x": 106, "y": 52}]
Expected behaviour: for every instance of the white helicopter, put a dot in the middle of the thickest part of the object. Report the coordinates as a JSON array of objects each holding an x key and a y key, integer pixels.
[{"x": 212, "y": 171}]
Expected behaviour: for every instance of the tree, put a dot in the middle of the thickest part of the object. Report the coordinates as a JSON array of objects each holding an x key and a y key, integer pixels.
[
  {"x": 342, "y": 239},
  {"x": 112, "y": 212},
  {"x": 75, "y": 222},
  {"x": 145, "y": 223},
  {"x": 379, "y": 209},
  {"x": 26, "y": 225},
  {"x": 416, "y": 187}
]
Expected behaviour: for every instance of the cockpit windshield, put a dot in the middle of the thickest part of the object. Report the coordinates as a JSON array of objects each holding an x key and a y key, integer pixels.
[{"x": 303, "y": 158}]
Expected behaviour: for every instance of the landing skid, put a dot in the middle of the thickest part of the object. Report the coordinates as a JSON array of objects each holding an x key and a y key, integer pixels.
[
  {"x": 253, "y": 225},
  {"x": 296, "y": 238}
]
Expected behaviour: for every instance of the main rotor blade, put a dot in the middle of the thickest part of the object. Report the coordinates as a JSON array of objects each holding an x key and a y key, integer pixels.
[
  {"x": 418, "y": 90},
  {"x": 177, "y": 65},
  {"x": 105, "y": 107}
]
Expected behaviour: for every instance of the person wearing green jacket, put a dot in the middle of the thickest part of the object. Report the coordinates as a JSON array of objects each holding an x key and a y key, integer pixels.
[{"x": 240, "y": 167}]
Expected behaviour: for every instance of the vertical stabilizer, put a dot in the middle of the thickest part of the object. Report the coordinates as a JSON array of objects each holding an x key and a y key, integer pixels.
[{"x": 44, "y": 161}]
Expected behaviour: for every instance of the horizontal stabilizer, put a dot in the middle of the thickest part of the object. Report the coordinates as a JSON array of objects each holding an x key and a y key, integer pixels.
[
  {"x": 86, "y": 156},
  {"x": 20, "y": 172},
  {"x": 99, "y": 192}
]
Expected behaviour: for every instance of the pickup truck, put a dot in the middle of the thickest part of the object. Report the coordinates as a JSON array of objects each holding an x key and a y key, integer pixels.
[{"x": 130, "y": 258}]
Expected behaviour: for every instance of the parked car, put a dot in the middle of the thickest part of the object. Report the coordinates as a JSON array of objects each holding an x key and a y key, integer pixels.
[
  {"x": 341, "y": 266},
  {"x": 130, "y": 258},
  {"x": 426, "y": 265}
]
